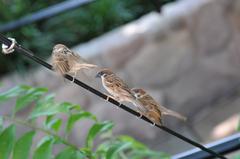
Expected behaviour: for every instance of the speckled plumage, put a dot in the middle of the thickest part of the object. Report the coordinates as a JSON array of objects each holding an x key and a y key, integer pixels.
[
  {"x": 116, "y": 87},
  {"x": 152, "y": 109},
  {"x": 66, "y": 61}
]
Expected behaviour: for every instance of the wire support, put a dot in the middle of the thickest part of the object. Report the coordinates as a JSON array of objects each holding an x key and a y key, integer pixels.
[{"x": 33, "y": 57}]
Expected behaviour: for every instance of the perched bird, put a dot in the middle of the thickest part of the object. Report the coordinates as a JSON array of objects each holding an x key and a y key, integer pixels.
[
  {"x": 153, "y": 110},
  {"x": 117, "y": 88},
  {"x": 66, "y": 61}
]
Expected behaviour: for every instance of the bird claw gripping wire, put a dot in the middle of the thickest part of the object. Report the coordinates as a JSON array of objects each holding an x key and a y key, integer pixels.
[{"x": 9, "y": 49}]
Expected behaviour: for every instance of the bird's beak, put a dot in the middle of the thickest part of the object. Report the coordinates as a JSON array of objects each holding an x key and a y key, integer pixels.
[{"x": 98, "y": 75}]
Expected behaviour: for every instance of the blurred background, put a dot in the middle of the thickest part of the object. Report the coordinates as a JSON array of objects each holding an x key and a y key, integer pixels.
[{"x": 187, "y": 57}]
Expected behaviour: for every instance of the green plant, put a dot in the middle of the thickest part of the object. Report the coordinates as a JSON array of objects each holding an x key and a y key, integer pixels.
[{"x": 44, "y": 107}]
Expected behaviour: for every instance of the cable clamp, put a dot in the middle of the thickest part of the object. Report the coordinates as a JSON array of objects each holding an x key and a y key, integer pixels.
[{"x": 10, "y": 49}]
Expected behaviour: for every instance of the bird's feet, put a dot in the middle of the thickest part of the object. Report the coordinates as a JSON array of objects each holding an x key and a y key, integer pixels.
[
  {"x": 74, "y": 77},
  {"x": 153, "y": 124},
  {"x": 109, "y": 96},
  {"x": 140, "y": 115},
  {"x": 119, "y": 105},
  {"x": 73, "y": 80}
]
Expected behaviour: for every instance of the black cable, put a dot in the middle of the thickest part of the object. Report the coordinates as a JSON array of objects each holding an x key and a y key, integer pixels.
[
  {"x": 30, "y": 55},
  {"x": 44, "y": 13}
]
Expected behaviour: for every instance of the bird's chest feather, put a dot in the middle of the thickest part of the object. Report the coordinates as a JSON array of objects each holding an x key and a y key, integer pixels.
[
  {"x": 114, "y": 87},
  {"x": 149, "y": 104},
  {"x": 108, "y": 86}
]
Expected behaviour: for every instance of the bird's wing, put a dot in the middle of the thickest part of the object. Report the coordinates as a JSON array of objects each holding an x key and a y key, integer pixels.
[
  {"x": 154, "y": 117},
  {"x": 150, "y": 103},
  {"x": 77, "y": 62},
  {"x": 169, "y": 112},
  {"x": 79, "y": 66},
  {"x": 60, "y": 63},
  {"x": 61, "y": 66},
  {"x": 118, "y": 85},
  {"x": 78, "y": 57}
]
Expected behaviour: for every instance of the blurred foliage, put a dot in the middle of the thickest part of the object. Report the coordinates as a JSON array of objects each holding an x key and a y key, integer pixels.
[
  {"x": 70, "y": 28},
  {"x": 53, "y": 124}
]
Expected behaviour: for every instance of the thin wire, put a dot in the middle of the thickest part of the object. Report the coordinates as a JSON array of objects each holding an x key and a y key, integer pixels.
[{"x": 31, "y": 55}]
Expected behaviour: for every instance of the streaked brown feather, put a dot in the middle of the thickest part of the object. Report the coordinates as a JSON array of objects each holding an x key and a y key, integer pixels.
[
  {"x": 118, "y": 85},
  {"x": 154, "y": 117},
  {"x": 153, "y": 110},
  {"x": 66, "y": 61}
]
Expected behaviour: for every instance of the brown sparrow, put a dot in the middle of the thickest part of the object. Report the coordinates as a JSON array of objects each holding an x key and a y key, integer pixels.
[
  {"x": 116, "y": 87},
  {"x": 153, "y": 110},
  {"x": 66, "y": 61}
]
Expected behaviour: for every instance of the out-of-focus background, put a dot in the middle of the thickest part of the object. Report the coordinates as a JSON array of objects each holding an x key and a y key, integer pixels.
[{"x": 187, "y": 58}]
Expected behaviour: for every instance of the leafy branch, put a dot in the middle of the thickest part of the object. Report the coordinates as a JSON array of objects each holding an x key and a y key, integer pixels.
[
  {"x": 44, "y": 107},
  {"x": 46, "y": 131}
]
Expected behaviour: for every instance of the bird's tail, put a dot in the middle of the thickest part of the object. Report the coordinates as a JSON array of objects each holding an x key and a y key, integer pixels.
[
  {"x": 174, "y": 114},
  {"x": 85, "y": 66}
]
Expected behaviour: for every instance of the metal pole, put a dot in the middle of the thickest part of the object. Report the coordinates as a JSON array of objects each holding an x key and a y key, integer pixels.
[
  {"x": 223, "y": 146},
  {"x": 44, "y": 13}
]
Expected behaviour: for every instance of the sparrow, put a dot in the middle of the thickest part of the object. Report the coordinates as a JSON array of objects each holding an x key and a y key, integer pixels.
[
  {"x": 116, "y": 87},
  {"x": 66, "y": 61},
  {"x": 153, "y": 110}
]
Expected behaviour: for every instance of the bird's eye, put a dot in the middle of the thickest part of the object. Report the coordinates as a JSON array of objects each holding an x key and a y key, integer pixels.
[
  {"x": 138, "y": 95},
  {"x": 65, "y": 51}
]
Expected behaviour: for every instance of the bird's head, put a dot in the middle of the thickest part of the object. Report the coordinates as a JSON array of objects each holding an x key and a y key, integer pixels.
[
  {"x": 103, "y": 73},
  {"x": 138, "y": 92},
  {"x": 60, "y": 49}
]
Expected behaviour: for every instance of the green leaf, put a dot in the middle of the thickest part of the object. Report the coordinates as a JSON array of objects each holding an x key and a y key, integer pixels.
[
  {"x": 54, "y": 124},
  {"x": 72, "y": 106},
  {"x": 116, "y": 148},
  {"x": 1, "y": 124},
  {"x": 70, "y": 153},
  {"x": 76, "y": 117},
  {"x": 87, "y": 152},
  {"x": 97, "y": 129},
  {"x": 44, "y": 139},
  {"x": 16, "y": 91},
  {"x": 76, "y": 107},
  {"x": 48, "y": 106},
  {"x": 23, "y": 146},
  {"x": 7, "y": 141},
  {"x": 30, "y": 96},
  {"x": 103, "y": 147},
  {"x": 48, "y": 119},
  {"x": 44, "y": 151},
  {"x": 135, "y": 144}
]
